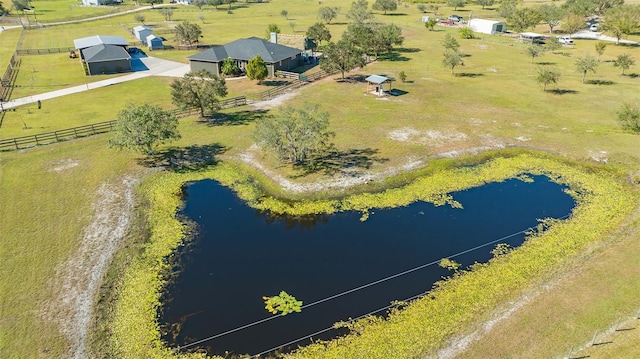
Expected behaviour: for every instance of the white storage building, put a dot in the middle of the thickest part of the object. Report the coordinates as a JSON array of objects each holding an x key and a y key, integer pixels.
[{"x": 486, "y": 26}]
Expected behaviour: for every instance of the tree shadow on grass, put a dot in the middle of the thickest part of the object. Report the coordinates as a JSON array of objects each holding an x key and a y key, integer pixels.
[
  {"x": 563, "y": 92},
  {"x": 393, "y": 56},
  {"x": 468, "y": 74},
  {"x": 275, "y": 83},
  {"x": 601, "y": 82},
  {"x": 407, "y": 49},
  {"x": 545, "y": 63},
  {"x": 633, "y": 75},
  {"x": 234, "y": 118},
  {"x": 185, "y": 159},
  {"x": 349, "y": 162}
]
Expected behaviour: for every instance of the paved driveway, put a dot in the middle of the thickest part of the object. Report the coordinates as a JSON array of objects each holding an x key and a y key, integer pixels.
[{"x": 146, "y": 66}]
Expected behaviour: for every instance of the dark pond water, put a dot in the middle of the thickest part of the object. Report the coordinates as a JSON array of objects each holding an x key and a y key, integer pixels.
[{"x": 240, "y": 255}]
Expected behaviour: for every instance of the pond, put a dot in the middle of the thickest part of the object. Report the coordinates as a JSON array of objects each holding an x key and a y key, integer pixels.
[{"x": 240, "y": 255}]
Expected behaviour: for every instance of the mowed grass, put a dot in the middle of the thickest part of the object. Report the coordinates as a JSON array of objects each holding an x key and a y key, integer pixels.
[{"x": 493, "y": 101}]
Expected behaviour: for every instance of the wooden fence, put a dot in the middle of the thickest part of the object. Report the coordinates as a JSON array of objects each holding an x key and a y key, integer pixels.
[
  {"x": 55, "y": 136},
  {"x": 45, "y": 138},
  {"x": 8, "y": 80},
  {"x": 55, "y": 50},
  {"x": 304, "y": 79}
]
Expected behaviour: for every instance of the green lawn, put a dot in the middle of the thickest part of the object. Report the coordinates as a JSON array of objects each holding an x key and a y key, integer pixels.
[{"x": 493, "y": 101}]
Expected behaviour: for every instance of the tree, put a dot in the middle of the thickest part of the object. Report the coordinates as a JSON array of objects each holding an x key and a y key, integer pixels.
[
  {"x": 402, "y": 76},
  {"x": 327, "y": 14},
  {"x": 484, "y": 3},
  {"x": 384, "y": 37},
  {"x": 507, "y": 8},
  {"x": 534, "y": 51},
  {"x": 585, "y": 64},
  {"x": 359, "y": 12},
  {"x": 215, "y": 3},
  {"x": 199, "y": 3},
  {"x": 142, "y": 128},
  {"x": 295, "y": 135},
  {"x": 188, "y": 32},
  {"x": 455, "y": 4},
  {"x": 229, "y": 67},
  {"x": 21, "y": 5},
  {"x": 602, "y": 6},
  {"x": 200, "y": 90},
  {"x": 546, "y": 77},
  {"x": 551, "y": 15},
  {"x": 272, "y": 28},
  {"x": 624, "y": 61},
  {"x": 153, "y": 2},
  {"x": 422, "y": 8},
  {"x": 283, "y": 303},
  {"x": 573, "y": 24},
  {"x": 385, "y": 5},
  {"x": 139, "y": 18},
  {"x": 430, "y": 24},
  {"x": 166, "y": 13},
  {"x": 229, "y": 2},
  {"x": 621, "y": 21},
  {"x": 342, "y": 56},
  {"x": 552, "y": 44},
  {"x": 522, "y": 19},
  {"x": 449, "y": 264},
  {"x": 319, "y": 32},
  {"x": 450, "y": 43},
  {"x": 629, "y": 118},
  {"x": 452, "y": 59},
  {"x": 285, "y": 14},
  {"x": 580, "y": 7},
  {"x": 257, "y": 69},
  {"x": 600, "y": 47},
  {"x": 466, "y": 33}
]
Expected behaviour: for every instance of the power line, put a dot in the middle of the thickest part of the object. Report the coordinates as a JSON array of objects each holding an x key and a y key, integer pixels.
[
  {"x": 361, "y": 287},
  {"x": 331, "y": 327}
]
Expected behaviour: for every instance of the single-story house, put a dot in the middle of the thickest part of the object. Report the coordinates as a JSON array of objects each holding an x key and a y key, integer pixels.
[
  {"x": 141, "y": 32},
  {"x": 100, "y": 2},
  {"x": 154, "y": 42},
  {"x": 486, "y": 26},
  {"x": 184, "y": 2},
  {"x": 106, "y": 59},
  {"x": 276, "y": 57}
]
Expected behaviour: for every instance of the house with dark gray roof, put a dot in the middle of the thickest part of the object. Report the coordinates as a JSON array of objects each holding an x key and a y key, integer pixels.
[
  {"x": 276, "y": 57},
  {"x": 106, "y": 59}
]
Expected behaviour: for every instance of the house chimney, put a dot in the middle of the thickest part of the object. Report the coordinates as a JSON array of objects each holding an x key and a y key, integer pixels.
[{"x": 274, "y": 37}]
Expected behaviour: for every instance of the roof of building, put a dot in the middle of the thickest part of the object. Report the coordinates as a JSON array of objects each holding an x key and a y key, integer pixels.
[
  {"x": 530, "y": 34},
  {"x": 85, "y": 42},
  {"x": 141, "y": 28},
  {"x": 153, "y": 37},
  {"x": 486, "y": 21},
  {"x": 246, "y": 49},
  {"x": 377, "y": 79},
  {"x": 102, "y": 53}
]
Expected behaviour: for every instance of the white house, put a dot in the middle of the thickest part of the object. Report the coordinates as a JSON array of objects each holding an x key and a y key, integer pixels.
[
  {"x": 154, "y": 42},
  {"x": 184, "y": 2},
  {"x": 486, "y": 26},
  {"x": 141, "y": 32}
]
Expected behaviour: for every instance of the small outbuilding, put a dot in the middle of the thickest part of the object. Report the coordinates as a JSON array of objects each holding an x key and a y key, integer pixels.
[
  {"x": 141, "y": 32},
  {"x": 154, "y": 42},
  {"x": 377, "y": 83},
  {"x": 486, "y": 26}
]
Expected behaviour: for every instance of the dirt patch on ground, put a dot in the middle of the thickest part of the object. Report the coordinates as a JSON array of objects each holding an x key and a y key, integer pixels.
[
  {"x": 64, "y": 164},
  {"x": 79, "y": 277},
  {"x": 274, "y": 102}
]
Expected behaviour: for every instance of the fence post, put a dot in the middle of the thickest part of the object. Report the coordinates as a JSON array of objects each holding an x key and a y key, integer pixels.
[
  {"x": 593, "y": 341},
  {"x": 15, "y": 142},
  {"x": 36, "y": 137}
]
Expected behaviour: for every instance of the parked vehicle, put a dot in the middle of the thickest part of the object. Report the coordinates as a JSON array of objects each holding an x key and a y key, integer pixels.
[
  {"x": 455, "y": 18},
  {"x": 565, "y": 40},
  {"x": 593, "y": 27}
]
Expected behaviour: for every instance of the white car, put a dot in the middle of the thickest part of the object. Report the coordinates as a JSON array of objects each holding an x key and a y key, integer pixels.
[
  {"x": 593, "y": 27},
  {"x": 565, "y": 40}
]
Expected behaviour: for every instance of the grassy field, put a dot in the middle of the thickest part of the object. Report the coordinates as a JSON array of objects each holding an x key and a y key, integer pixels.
[{"x": 492, "y": 102}]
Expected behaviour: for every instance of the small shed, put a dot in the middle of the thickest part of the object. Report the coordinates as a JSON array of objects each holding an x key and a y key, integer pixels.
[
  {"x": 141, "y": 32},
  {"x": 154, "y": 42},
  {"x": 377, "y": 83},
  {"x": 486, "y": 26}
]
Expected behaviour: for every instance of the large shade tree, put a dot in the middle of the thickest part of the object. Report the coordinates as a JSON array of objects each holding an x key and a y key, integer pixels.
[
  {"x": 551, "y": 15},
  {"x": 385, "y": 5},
  {"x": 621, "y": 21},
  {"x": 342, "y": 56},
  {"x": 359, "y": 12},
  {"x": 142, "y": 128},
  {"x": 202, "y": 90},
  {"x": 295, "y": 135},
  {"x": 188, "y": 32},
  {"x": 327, "y": 14}
]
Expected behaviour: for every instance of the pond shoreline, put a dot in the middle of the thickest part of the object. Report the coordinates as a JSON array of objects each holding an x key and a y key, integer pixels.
[{"x": 137, "y": 336}]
